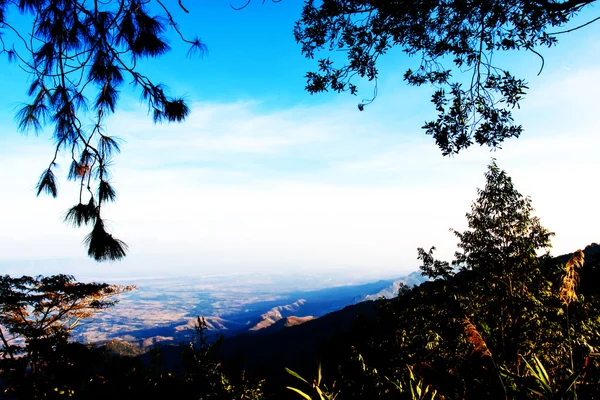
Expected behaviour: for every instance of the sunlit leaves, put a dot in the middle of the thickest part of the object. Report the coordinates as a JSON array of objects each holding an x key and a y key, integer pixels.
[
  {"x": 505, "y": 303},
  {"x": 570, "y": 279},
  {"x": 37, "y": 308},
  {"x": 501, "y": 223}
]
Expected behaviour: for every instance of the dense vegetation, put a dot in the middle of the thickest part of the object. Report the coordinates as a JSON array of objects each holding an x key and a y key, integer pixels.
[{"x": 503, "y": 320}]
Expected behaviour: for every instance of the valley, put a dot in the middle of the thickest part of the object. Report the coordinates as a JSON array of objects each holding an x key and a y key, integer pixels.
[{"x": 164, "y": 309}]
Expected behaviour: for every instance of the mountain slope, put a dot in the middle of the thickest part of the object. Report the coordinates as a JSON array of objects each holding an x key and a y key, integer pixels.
[
  {"x": 276, "y": 314},
  {"x": 295, "y": 347}
]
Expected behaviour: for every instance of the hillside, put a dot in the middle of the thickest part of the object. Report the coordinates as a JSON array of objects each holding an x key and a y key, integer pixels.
[
  {"x": 366, "y": 348},
  {"x": 296, "y": 347},
  {"x": 276, "y": 314},
  {"x": 299, "y": 347}
]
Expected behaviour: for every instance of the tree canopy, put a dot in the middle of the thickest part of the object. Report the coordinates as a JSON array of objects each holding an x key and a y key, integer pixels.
[
  {"x": 500, "y": 313},
  {"x": 455, "y": 42},
  {"x": 43, "y": 310}
]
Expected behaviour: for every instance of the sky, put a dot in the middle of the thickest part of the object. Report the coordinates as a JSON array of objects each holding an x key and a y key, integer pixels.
[{"x": 264, "y": 177}]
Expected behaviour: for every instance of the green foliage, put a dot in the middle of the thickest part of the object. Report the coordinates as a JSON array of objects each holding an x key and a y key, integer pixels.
[
  {"x": 403, "y": 384},
  {"x": 470, "y": 333},
  {"x": 538, "y": 382},
  {"x": 37, "y": 308},
  {"x": 455, "y": 42},
  {"x": 416, "y": 387},
  {"x": 321, "y": 392},
  {"x": 90, "y": 372},
  {"x": 500, "y": 249},
  {"x": 204, "y": 374},
  {"x": 37, "y": 315}
]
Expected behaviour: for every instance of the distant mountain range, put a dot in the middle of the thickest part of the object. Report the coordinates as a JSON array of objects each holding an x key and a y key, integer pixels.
[
  {"x": 253, "y": 317},
  {"x": 413, "y": 279}
]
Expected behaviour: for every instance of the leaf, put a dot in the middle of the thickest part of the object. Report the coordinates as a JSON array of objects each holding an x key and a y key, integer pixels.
[
  {"x": 568, "y": 384},
  {"x": 541, "y": 370},
  {"x": 540, "y": 376},
  {"x": 197, "y": 47},
  {"x": 73, "y": 171},
  {"x": 149, "y": 44},
  {"x": 107, "y": 98},
  {"x": 301, "y": 393},
  {"x": 31, "y": 117},
  {"x": 295, "y": 375},
  {"x": 319, "y": 375}
]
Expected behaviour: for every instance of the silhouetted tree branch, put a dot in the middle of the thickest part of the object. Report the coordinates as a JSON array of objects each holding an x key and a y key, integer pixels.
[
  {"x": 455, "y": 42},
  {"x": 79, "y": 54}
]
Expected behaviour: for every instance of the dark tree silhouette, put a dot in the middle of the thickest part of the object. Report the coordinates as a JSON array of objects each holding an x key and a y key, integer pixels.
[
  {"x": 451, "y": 37},
  {"x": 79, "y": 53}
]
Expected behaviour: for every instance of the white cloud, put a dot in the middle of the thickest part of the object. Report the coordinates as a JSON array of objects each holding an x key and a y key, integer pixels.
[{"x": 316, "y": 187}]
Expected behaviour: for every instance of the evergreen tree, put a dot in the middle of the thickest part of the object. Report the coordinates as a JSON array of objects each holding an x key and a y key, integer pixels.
[
  {"x": 501, "y": 250},
  {"x": 498, "y": 304}
]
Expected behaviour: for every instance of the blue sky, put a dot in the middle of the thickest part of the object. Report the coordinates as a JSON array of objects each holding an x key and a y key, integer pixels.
[{"x": 266, "y": 177}]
